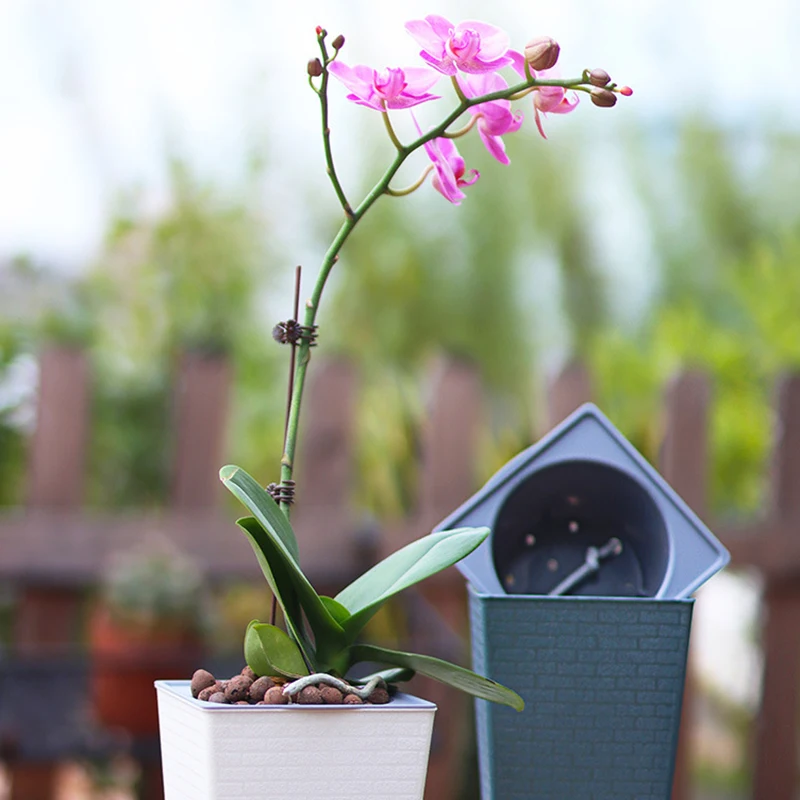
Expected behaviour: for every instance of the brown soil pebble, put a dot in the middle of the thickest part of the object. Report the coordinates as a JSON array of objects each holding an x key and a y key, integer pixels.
[
  {"x": 206, "y": 693},
  {"x": 201, "y": 679},
  {"x": 352, "y": 700},
  {"x": 379, "y": 697},
  {"x": 241, "y": 703},
  {"x": 248, "y": 673},
  {"x": 275, "y": 697},
  {"x": 218, "y": 697},
  {"x": 259, "y": 688},
  {"x": 310, "y": 696},
  {"x": 331, "y": 695},
  {"x": 238, "y": 688},
  {"x": 220, "y": 686}
]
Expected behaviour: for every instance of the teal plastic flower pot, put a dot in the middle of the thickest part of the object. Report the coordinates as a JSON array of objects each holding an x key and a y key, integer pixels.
[{"x": 602, "y": 680}]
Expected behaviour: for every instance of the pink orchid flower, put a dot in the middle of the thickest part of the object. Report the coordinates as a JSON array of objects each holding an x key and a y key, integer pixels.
[
  {"x": 470, "y": 46},
  {"x": 391, "y": 88},
  {"x": 449, "y": 168},
  {"x": 495, "y": 117},
  {"x": 546, "y": 99}
]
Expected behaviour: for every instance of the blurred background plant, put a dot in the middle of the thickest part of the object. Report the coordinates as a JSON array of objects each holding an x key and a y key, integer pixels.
[{"x": 155, "y": 588}]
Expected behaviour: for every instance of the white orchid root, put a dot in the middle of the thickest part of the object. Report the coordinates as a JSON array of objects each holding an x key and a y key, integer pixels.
[{"x": 364, "y": 692}]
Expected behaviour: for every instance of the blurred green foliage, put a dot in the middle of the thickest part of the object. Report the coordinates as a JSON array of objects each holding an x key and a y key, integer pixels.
[
  {"x": 517, "y": 280},
  {"x": 189, "y": 279},
  {"x": 727, "y": 252},
  {"x": 521, "y": 274},
  {"x": 12, "y": 434}
]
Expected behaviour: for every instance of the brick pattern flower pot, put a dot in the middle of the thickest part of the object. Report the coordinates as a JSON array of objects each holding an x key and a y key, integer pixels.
[{"x": 602, "y": 680}]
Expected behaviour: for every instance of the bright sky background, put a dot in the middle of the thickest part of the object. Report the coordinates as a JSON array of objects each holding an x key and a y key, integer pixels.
[{"x": 95, "y": 93}]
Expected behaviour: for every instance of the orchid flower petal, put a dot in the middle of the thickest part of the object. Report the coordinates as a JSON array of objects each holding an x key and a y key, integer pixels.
[
  {"x": 495, "y": 146},
  {"x": 449, "y": 168},
  {"x": 471, "y": 46},
  {"x": 494, "y": 41},
  {"x": 392, "y": 88},
  {"x": 494, "y": 117}
]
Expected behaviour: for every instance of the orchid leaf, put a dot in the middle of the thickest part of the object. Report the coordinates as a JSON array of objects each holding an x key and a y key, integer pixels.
[
  {"x": 404, "y": 568},
  {"x": 328, "y": 634},
  {"x": 260, "y": 503},
  {"x": 279, "y": 583},
  {"x": 290, "y": 582},
  {"x": 270, "y": 651},
  {"x": 336, "y": 609},
  {"x": 444, "y": 671}
]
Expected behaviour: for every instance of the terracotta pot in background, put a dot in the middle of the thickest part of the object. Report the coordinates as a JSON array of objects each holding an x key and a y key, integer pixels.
[{"x": 126, "y": 658}]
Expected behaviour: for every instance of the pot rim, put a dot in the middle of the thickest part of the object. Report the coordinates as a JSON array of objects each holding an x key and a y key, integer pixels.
[{"x": 402, "y": 702}]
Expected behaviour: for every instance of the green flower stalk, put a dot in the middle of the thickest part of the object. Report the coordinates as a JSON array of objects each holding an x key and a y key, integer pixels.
[{"x": 322, "y": 632}]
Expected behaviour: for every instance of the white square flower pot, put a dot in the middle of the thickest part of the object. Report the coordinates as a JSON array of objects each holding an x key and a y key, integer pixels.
[{"x": 212, "y": 751}]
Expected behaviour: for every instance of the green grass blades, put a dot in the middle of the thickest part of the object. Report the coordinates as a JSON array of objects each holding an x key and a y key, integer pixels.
[
  {"x": 409, "y": 565},
  {"x": 270, "y": 651},
  {"x": 452, "y": 675}
]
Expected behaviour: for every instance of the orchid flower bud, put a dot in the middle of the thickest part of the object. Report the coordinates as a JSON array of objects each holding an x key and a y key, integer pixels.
[
  {"x": 542, "y": 52},
  {"x": 314, "y": 67},
  {"x": 599, "y": 77},
  {"x": 603, "y": 97},
  {"x": 338, "y": 42}
]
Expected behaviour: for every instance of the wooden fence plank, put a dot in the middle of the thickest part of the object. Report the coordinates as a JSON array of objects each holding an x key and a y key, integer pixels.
[
  {"x": 571, "y": 388},
  {"x": 776, "y": 739},
  {"x": 447, "y": 478},
  {"x": 449, "y": 440},
  {"x": 57, "y": 463},
  {"x": 325, "y": 465},
  {"x": 684, "y": 464},
  {"x": 200, "y": 413},
  {"x": 46, "y": 614}
]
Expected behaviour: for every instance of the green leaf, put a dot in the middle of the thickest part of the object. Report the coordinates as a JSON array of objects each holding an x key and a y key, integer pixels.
[
  {"x": 328, "y": 634},
  {"x": 269, "y": 651},
  {"x": 444, "y": 671},
  {"x": 250, "y": 492},
  {"x": 279, "y": 583},
  {"x": 404, "y": 568},
  {"x": 336, "y": 609}
]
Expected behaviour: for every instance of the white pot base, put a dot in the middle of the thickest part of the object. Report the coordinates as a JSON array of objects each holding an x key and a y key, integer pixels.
[{"x": 212, "y": 751}]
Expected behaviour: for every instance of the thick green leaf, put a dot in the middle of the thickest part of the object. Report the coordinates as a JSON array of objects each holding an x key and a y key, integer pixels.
[
  {"x": 250, "y": 492},
  {"x": 336, "y": 609},
  {"x": 328, "y": 634},
  {"x": 452, "y": 675},
  {"x": 279, "y": 583},
  {"x": 404, "y": 568},
  {"x": 269, "y": 651}
]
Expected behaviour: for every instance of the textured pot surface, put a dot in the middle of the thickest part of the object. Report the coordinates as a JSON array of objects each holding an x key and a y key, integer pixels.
[
  {"x": 602, "y": 680},
  {"x": 220, "y": 752}
]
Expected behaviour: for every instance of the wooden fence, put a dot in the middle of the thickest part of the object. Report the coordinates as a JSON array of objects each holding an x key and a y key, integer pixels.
[{"x": 53, "y": 551}]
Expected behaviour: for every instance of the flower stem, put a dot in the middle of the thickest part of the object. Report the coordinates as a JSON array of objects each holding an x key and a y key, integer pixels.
[
  {"x": 353, "y": 216},
  {"x": 413, "y": 187},
  {"x": 390, "y": 130},
  {"x": 326, "y": 131}
]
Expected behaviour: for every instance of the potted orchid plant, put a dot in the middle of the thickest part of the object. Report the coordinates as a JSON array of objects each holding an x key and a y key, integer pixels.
[{"x": 210, "y": 728}]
